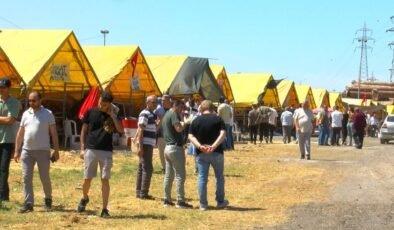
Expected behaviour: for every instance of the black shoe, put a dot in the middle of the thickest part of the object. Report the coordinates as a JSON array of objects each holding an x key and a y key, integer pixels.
[
  {"x": 48, "y": 204},
  {"x": 28, "y": 207},
  {"x": 183, "y": 204},
  {"x": 82, "y": 204},
  {"x": 308, "y": 157},
  {"x": 168, "y": 203},
  {"x": 105, "y": 213},
  {"x": 146, "y": 197},
  {"x": 302, "y": 157}
]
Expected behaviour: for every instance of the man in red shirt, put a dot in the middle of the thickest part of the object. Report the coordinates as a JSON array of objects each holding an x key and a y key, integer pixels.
[{"x": 359, "y": 124}]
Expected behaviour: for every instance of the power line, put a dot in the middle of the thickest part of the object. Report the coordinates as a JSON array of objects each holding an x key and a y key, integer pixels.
[
  {"x": 391, "y": 44},
  {"x": 10, "y": 22}
]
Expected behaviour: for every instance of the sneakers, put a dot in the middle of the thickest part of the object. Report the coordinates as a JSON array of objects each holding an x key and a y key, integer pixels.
[
  {"x": 105, "y": 213},
  {"x": 28, "y": 207},
  {"x": 183, "y": 204},
  {"x": 82, "y": 204},
  {"x": 222, "y": 205},
  {"x": 48, "y": 204},
  {"x": 168, "y": 203}
]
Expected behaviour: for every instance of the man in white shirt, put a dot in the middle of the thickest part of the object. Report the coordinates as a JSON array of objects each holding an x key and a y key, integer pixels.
[
  {"x": 287, "y": 123},
  {"x": 303, "y": 120},
  {"x": 272, "y": 122},
  {"x": 336, "y": 124}
]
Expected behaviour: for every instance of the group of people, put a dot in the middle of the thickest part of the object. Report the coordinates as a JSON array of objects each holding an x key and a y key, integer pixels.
[
  {"x": 162, "y": 126},
  {"x": 262, "y": 120}
]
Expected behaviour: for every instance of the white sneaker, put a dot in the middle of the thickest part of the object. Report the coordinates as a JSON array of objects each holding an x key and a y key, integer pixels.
[
  {"x": 223, "y": 204},
  {"x": 202, "y": 208}
]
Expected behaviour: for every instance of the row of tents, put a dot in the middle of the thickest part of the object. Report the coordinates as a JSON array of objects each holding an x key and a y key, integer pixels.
[{"x": 54, "y": 63}]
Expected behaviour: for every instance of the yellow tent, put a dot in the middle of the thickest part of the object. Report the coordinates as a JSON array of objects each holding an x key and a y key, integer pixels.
[
  {"x": 184, "y": 75},
  {"x": 336, "y": 99},
  {"x": 247, "y": 87},
  {"x": 357, "y": 102},
  {"x": 7, "y": 70},
  {"x": 390, "y": 109},
  {"x": 321, "y": 97},
  {"x": 304, "y": 92},
  {"x": 221, "y": 76},
  {"x": 50, "y": 61},
  {"x": 123, "y": 71},
  {"x": 287, "y": 94}
]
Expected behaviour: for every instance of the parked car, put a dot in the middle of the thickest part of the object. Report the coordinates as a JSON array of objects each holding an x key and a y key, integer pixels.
[{"x": 386, "y": 132}]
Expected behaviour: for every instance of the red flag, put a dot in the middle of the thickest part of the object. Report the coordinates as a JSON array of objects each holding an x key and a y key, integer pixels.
[
  {"x": 133, "y": 63},
  {"x": 90, "y": 101},
  {"x": 364, "y": 100}
]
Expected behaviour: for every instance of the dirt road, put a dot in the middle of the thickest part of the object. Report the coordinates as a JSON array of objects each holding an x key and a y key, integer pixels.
[{"x": 364, "y": 197}]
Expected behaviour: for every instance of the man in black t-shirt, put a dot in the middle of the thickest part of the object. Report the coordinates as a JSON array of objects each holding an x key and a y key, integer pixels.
[
  {"x": 96, "y": 147},
  {"x": 207, "y": 133}
]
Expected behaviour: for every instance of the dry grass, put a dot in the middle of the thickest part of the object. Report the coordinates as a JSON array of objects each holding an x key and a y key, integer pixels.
[{"x": 262, "y": 183}]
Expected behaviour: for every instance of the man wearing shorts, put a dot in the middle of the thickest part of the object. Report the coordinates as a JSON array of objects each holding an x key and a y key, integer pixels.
[{"x": 96, "y": 147}]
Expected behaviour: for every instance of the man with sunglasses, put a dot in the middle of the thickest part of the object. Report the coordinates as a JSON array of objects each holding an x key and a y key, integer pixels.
[
  {"x": 36, "y": 125},
  {"x": 9, "y": 110}
]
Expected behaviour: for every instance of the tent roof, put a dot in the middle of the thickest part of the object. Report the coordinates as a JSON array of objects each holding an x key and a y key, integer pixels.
[
  {"x": 7, "y": 70},
  {"x": 305, "y": 92},
  {"x": 110, "y": 61},
  {"x": 184, "y": 75},
  {"x": 320, "y": 96},
  {"x": 221, "y": 75},
  {"x": 390, "y": 109},
  {"x": 32, "y": 50},
  {"x": 165, "y": 68},
  {"x": 357, "y": 102},
  {"x": 248, "y": 86},
  {"x": 284, "y": 88},
  {"x": 336, "y": 99}
]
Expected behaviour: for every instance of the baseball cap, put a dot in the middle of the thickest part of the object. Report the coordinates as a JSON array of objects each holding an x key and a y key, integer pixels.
[{"x": 5, "y": 82}]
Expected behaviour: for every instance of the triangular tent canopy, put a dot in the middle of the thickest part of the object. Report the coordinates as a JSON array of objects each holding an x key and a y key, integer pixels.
[
  {"x": 287, "y": 94},
  {"x": 123, "y": 71},
  {"x": 50, "y": 61},
  {"x": 7, "y": 70},
  {"x": 336, "y": 99},
  {"x": 321, "y": 97},
  {"x": 304, "y": 92},
  {"x": 183, "y": 75},
  {"x": 247, "y": 87},
  {"x": 221, "y": 77},
  {"x": 357, "y": 102}
]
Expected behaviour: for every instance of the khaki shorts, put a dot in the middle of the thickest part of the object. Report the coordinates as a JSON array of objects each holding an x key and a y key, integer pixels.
[{"x": 93, "y": 158}]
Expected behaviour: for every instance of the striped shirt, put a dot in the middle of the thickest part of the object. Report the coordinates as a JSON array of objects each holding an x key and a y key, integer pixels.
[{"x": 147, "y": 120}]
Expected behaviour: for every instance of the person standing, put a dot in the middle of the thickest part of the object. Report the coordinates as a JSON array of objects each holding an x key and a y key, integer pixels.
[
  {"x": 359, "y": 125},
  {"x": 286, "y": 119},
  {"x": 374, "y": 123},
  {"x": 264, "y": 114},
  {"x": 160, "y": 111},
  {"x": 207, "y": 133},
  {"x": 146, "y": 141},
  {"x": 36, "y": 125},
  {"x": 336, "y": 118},
  {"x": 175, "y": 155},
  {"x": 303, "y": 119},
  {"x": 345, "y": 120},
  {"x": 252, "y": 123},
  {"x": 323, "y": 123},
  {"x": 224, "y": 111},
  {"x": 350, "y": 126},
  {"x": 9, "y": 110},
  {"x": 272, "y": 122},
  {"x": 231, "y": 124},
  {"x": 98, "y": 124}
]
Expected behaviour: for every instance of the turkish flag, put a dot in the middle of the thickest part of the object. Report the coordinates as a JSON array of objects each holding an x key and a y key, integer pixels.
[
  {"x": 90, "y": 101},
  {"x": 133, "y": 63}
]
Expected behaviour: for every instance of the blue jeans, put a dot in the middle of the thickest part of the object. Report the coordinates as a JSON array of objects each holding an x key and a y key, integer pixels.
[
  {"x": 228, "y": 138},
  {"x": 350, "y": 132},
  {"x": 324, "y": 132},
  {"x": 203, "y": 162}
]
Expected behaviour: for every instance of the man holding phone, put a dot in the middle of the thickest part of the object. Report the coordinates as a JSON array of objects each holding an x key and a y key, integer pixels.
[{"x": 36, "y": 125}]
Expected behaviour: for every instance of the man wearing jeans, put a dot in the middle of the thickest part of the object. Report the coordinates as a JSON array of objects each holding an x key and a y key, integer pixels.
[
  {"x": 9, "y": 110},
  {"x": 174, "y": 155},
  {"x": 36, "y": 125},
  {"x": 303, "y": 120},
  {"x": 207, "y": 133}
]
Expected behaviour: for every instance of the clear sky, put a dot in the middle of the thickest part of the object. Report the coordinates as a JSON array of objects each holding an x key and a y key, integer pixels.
[{"x": 308, "y": 41}]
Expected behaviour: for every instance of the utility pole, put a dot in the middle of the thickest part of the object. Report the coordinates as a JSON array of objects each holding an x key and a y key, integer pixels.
[
  {"x": 104, "y": 32},
  {"x": 391, "y": 44},
  {"x": 363, "y": 39}
]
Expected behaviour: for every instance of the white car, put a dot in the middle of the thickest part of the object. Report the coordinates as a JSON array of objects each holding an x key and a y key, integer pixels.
[{"x": 386, "y": 132}]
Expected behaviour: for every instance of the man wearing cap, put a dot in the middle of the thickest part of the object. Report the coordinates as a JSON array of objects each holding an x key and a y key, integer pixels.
[
  {"x": 9, "y": 110},
  {"x": 98, "y": 124}
]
